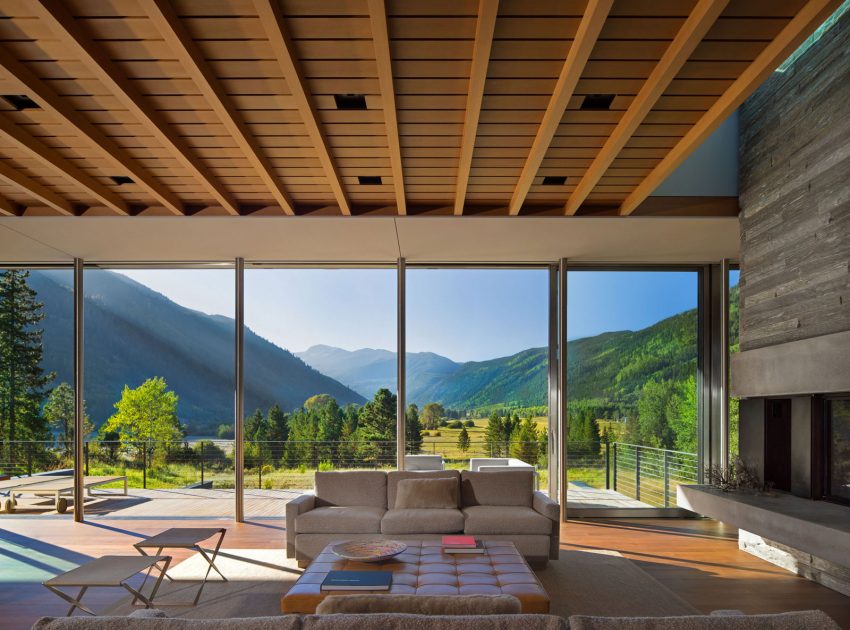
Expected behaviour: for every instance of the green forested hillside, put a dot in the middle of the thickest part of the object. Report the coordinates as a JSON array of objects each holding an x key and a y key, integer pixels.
[{"x": 133, "y": 333}]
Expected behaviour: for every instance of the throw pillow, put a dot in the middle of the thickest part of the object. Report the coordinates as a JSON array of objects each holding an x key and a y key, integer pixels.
[{"x": 427, "y": 493}]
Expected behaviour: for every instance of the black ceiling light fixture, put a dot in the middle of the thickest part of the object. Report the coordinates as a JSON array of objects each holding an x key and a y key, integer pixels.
[
  {"x": 121, "y": 179},
  {"x": 350, "y": 101},
  {"x": 554, "y": 180},
  {"x": 20, "y": 101},
  {"x": 597, "y": 101},
  {"x": 369, "y": 180}
]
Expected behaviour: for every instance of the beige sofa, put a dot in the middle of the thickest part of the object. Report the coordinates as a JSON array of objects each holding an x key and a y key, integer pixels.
[
  {"x": 359, "y": 505},
  {"x": 803, "y": 620}
]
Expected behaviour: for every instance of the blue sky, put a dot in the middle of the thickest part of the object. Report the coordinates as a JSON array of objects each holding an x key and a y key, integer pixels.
[{"x": 460, "y": 313}]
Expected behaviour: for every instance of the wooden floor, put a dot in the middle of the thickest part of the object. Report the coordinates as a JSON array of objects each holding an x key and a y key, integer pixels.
[{"x": 698, "y": 559}]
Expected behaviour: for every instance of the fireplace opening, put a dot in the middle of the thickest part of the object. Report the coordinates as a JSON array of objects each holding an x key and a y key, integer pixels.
[
  {"x": 777, "y": 443},
  {"x": 837, "y": 450}
]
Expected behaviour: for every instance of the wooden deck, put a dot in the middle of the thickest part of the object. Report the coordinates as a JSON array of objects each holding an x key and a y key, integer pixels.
[
  {"x": 697, "y": 559},
  {"x": 219, "y": 503}
]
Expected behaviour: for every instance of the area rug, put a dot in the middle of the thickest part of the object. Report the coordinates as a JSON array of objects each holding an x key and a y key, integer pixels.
[{"x": 580, "y": 582}]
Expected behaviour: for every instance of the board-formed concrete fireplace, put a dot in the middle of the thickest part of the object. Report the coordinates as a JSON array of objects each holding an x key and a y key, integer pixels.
[{"x": 792, "y": 374}]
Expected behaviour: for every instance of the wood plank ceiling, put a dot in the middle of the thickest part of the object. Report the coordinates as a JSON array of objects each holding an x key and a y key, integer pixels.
[{"x": 371, "y": 106}]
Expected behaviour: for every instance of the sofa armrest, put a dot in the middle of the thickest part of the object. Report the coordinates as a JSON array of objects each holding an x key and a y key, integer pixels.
[
  {"x": 551, "y": 509},
  {"x": 298, "y": 505}
]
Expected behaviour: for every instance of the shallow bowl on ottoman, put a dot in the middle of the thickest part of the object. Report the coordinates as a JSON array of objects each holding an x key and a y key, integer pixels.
[{"x": 368, "y": 550}]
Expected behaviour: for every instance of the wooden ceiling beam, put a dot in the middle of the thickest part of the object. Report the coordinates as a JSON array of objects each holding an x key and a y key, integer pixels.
[
  {"x": 485, "y": 26},
  {"x": 7, "y": 208},
  {"x": 36, "y": 149},
  {"x": 383, "y": 58},
  {"x": 14, "y": 177},
  {"x": 701, "y": 19},
  {"x": 812, "y": 15},
  {"x": 168, "y": 23},
  {"x": 588, "y": 31},
  {"x": 56, "y": 15},
  {"x": 51, "y": 102},
  {"x": 273, "y": 23}
]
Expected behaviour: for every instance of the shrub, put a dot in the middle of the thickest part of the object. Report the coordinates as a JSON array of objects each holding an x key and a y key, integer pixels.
[
  {"x": 435, "y": 434},
  {"x": 267, "y": 469},
  {"x": 444, "y": 423},
  {"x": 455, "y": 424},
  {"x": 326, "y": 466},
  {"x": 469, "y": 423},
  {"x": 267, "y": 484}
]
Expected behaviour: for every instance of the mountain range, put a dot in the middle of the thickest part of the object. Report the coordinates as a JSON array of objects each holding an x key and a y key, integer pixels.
[{"x": 133, "y": 333}]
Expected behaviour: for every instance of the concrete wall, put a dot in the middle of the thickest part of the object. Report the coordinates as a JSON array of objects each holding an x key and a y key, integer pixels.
[{"x": 795, "y": 198}]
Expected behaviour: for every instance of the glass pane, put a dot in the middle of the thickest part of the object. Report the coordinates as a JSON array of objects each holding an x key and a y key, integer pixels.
[
  {"x": 320, "y": 378},
  {"x": 36, "y": 387},
  {"x": 734, "y": 321},
  {"x": 159, "y": 383},
  {"x": 839, "y": 449},
  {"x": 477, "y": 369},
  {"x": 632, "y": 408}
]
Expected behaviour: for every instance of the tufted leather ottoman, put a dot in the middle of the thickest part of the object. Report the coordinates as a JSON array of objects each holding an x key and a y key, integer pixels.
[{"x": 425, "y": 570}]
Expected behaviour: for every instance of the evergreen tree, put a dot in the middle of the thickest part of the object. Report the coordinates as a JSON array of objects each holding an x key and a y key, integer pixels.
[
  {"x": 254, "y": 425},
  {"x": 463, "y": 440},
  {"x": 653, "y": 408},
  {"x": 23, "y": 382},
  {"x": 525, "y": 443},
  {"x": 413, "y": 429},
  {"x": 278, "y": 432},
  {"x": 494, "y": 435},
  {"x": 59, "y": 411},
  {"x": 377, "y": 426}
]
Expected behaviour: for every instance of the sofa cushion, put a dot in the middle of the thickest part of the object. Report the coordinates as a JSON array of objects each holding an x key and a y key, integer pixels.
[
  {"x": 399, "y": 621},
  {"x": 394, "y": 476},
  {"x": 422, "y": 521},
  {"x": 489, "y": 519},
  {"x": 355, "y": 487},
  {"x": 427, "y": 493},
  {"x": 350, "y": 519},
  {"x": 502, "y": 487},
  {"x": 782, "y": 621}
]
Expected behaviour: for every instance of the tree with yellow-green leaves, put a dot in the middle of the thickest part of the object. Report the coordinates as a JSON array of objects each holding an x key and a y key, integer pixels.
[{"x": 146, "y": 414}]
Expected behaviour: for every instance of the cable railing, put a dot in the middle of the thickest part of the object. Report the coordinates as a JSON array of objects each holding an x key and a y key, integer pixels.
[{"x": 644, "y": 473}]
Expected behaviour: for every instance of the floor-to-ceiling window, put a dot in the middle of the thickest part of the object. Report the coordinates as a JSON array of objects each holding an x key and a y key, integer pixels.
[
  {"x": 320, "y": 377},
  {"x": 632, "y": 347},
  {"x": 159, "y": 356},
  {"x": 36, "y": 387},
  {"x": 477, "y": 361}
]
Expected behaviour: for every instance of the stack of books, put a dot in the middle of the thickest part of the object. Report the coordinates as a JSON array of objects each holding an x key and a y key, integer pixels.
[
  {"x": 462, "y": 544},
  {"x": 357, "y": 581}
]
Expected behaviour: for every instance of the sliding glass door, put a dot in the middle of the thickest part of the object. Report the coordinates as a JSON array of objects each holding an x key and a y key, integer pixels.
[
  {"x": 320, "y": 377},
  {"x": 632, "y": 348},
  {"x": 477, "y": 368}
]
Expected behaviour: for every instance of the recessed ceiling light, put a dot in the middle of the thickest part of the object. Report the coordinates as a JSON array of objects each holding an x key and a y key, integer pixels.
[
  {"x": 597, "y": 101},
  {"x": 20, "y": 101},
  {"x": 350, "y": 101},
  {"x": 121, "y": 179},
  {"x": 369, "y": 180},
  {"x": 554, "y": 180}
]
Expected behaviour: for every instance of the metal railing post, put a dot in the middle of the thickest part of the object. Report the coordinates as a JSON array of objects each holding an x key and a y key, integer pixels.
[
  {"x": 615, "y": 466},
  {"x": 259, "y": 467},
  {"x": 666, "y": 479},
  {"x": 29, "y": 459},
  {"x": 202, "y": 462},
  {"x": 144, "y": 466},
  {"x": 86, "y": 453},
  {"x": 637, "y": 473},
  {"x": 607, "y": 465}
]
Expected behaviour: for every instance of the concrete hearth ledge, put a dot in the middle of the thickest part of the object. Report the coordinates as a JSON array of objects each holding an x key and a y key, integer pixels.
[{"x": 816, "y": 527}]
